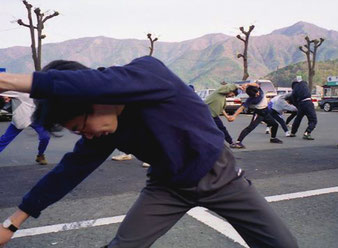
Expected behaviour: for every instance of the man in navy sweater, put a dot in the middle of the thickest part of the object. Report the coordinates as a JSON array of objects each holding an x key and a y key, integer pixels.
[
  {"x": 301, "y": 96},
  {"x": 144, "y": 109}
]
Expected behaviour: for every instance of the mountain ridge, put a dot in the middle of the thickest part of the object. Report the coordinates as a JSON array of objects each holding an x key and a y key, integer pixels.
[{"x": 203, "y": 61}]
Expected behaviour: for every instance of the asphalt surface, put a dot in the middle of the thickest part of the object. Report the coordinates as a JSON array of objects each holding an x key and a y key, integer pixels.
[{"x": 296, "y": 165}]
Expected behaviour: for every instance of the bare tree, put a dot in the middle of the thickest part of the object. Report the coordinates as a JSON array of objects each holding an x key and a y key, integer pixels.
[
  {"x": 40, "y": 20},
  {"x": 308, "y": 51},
  {"x": 244, "y": 55},
  {"x": 152, "y": 41}
]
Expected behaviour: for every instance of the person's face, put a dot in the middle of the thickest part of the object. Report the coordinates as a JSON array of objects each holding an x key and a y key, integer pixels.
[
  {"x": 102, "y": 121},
  {"x": 231, "y": 94}
]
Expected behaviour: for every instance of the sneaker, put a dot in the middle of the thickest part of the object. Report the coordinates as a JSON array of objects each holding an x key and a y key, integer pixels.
[
  {"x": 232, "y": 145},
  {"x": 267, "y": 130},
  {"x": 307, "y": 136},
  {"x": 292, "y": 135},
  {"x": 287, "y": 134},
  {"x": 145, "y": 165},
  {"x": 238, "y": 145},
  {"x": 122, "y": 157},
  {"x": 40, "y": 159},
  {"x": 276, "y": 141}
]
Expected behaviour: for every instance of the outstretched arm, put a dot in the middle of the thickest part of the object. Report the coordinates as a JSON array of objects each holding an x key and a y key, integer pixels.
[
  {"x": 17, "y": 219},
  {"x": 16, "y": 82},
  {"x": 238, "y": 111}
]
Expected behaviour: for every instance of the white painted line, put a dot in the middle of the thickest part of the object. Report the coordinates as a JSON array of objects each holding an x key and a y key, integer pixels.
[
  {"x": 217, "y": 224},
  {"x": 303, "y": 194},
  {"x": 198, "y": 213},
  {"x": 68, "y": 226}
]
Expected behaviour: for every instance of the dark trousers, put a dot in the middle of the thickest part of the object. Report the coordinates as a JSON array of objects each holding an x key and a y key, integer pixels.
[
  {"x": 221, "y": 127},
  {"x": 258, "y": 116},
  {"x": 279, "y": 119},
  {"x": 290, "y": 118},
  {"x": 305, "y": 108},
  {"x": 12, "y": 132},
  {"x": 223, "y": 191}
]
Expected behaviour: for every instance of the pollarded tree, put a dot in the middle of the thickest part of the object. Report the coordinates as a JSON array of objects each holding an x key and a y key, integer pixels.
[
  {"x": 244, "y": 55},
  {"x": 152, "y": 41},
  {"x": 36, "y": 42},
  {"x": 307, "y": 49}
]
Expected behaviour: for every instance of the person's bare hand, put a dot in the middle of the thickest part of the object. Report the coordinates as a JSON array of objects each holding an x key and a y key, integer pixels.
[
  {"x": 231, "y": 118},
  {"x": 5, "y": 235}
]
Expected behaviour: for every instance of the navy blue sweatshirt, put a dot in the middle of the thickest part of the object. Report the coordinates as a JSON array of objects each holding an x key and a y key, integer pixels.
[
  {"x": 300, "y": 92},
  {"x": 164, "y": 123}
]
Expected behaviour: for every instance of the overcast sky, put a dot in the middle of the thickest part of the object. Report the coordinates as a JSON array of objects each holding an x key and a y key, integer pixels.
[{"x": 171, "y": 20}]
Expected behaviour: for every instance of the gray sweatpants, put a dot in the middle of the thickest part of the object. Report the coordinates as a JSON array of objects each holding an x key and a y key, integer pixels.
[{"x": 223, "y": 190}]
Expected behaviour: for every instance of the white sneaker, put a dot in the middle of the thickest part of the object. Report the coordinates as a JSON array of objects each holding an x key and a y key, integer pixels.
[
  {"x": 122, "y": 157},
  {"x": 267, "y": 130},
  {"x": 145, "y": 165},
  {"x": 287, "y": 133}
]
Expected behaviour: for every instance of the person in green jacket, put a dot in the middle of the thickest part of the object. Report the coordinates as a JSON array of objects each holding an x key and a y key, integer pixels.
[{"x": 217, "y": 102}]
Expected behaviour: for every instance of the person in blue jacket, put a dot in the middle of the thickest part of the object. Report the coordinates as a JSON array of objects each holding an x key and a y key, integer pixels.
[
  {"x": 301, "y": 96},
  {"x": 143, "y": 109}
]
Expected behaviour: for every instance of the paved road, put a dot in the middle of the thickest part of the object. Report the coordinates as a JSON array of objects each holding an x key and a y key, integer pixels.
[{"x": 276, "y": 169}]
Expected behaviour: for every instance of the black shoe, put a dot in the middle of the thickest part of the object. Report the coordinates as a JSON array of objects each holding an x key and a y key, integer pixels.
[
  {"x": 307, "y": 136},
  {"x": 275, "y": 140},
  {"x": 291, "y": 135}
]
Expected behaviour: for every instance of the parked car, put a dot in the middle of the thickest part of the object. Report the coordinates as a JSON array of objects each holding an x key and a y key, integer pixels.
[
  {"x": 330, "y": 97},
  {"x": 316, "y": 99},
  {"x": 328, "y": 104},
  {"x": 283, "y": 90},
  {"x": 5, "y": 110},
  {"x": 203, "y": 94}
]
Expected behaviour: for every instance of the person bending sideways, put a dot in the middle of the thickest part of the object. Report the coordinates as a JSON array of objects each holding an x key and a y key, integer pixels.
[
  {"x": 23, "y": 107},
  {"x": 217, "y": 102},
  {"x": 143, "y": 109},
  {"x": 257, "y": 99},
  {"x": 301, "y": 96}
]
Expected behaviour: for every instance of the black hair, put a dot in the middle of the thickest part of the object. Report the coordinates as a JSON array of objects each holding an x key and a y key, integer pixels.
[
  {"x": 294, "y": 84},
  {"x": 236, "y": 92},
  {"x": 53, "y": 112},
  {"x": 251, "y": 91}
]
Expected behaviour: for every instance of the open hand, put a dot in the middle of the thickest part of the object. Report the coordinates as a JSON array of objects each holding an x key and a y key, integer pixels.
[{"x": 5, "y": 235}]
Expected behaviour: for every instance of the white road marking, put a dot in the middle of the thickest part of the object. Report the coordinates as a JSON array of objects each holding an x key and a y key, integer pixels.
[
  {"x": 198, "y": 213},
  {"x": 68, "y": 226},
  {"x": 217, "y": 224}
]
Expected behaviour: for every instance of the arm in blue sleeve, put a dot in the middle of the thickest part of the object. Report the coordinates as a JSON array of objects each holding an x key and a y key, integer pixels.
[
  {"x": 247, "y": 103},
  {"x": 143, "y": 80},
  {"x": 72, "y": 169}
]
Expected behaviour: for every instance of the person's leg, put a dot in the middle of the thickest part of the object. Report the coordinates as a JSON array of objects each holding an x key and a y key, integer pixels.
[
  {"x": 311, "y": 115},
  {"x": 279, "y": 119},
  {"x": 297, "y": 121},
  {"x": 256, "y": 119},
  {"x": 250, "y": 214},
  {"x": 8, "y": 136},
  {"x": 44, "y": 138},
  {"x": 221, "y": 127},
  {"x": 270, "y": 121},
  {"x": 290, "y": 118},
  {"x": 155, "y": 211}
]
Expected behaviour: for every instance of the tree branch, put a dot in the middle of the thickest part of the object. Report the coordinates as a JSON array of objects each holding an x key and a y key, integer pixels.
[{"x": 50, "y": 16}]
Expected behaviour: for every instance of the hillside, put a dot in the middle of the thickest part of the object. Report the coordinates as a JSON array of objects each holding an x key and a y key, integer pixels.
[
  {"x": 203, "y": 62},
  {"x": 284, "y": 76}
]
